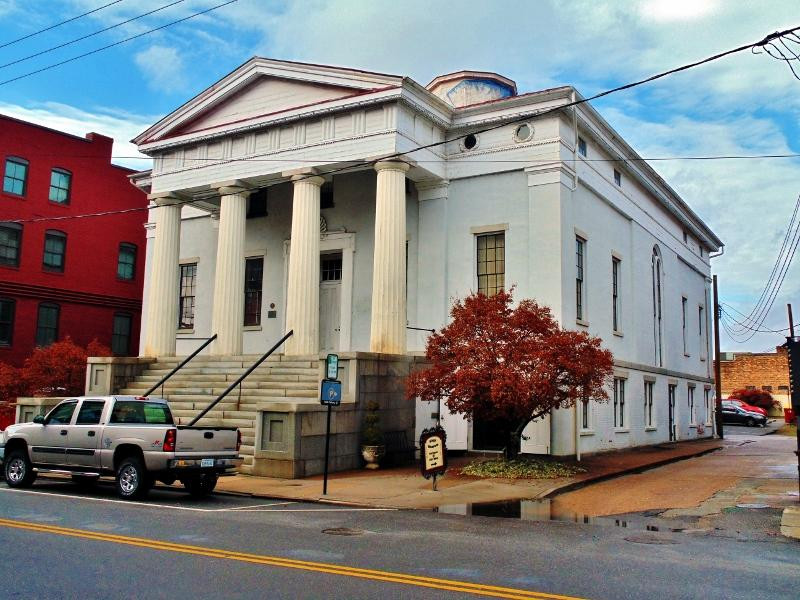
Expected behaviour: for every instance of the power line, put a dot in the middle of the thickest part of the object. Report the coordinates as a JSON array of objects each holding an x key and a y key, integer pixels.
[
  {"x": 133, "y": 37},
  {"x": 30, "y": 35},
  {"x": 748, "y": 327},
  {"x": 87, "y": 36}
]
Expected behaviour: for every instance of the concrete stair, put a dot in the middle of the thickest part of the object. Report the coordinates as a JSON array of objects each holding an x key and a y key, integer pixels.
[{"x": 195, "y": 386}]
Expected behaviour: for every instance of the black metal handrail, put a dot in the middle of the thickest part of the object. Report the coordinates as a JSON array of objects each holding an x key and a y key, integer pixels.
[
  {"x": 180, "y": 366},
  {"x": 232, "y": 386}
]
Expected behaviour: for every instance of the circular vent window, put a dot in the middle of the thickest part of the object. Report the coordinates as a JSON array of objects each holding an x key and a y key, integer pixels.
[
  {"x": 470, "y": 142},
  {"x": 523, "y": 133}
]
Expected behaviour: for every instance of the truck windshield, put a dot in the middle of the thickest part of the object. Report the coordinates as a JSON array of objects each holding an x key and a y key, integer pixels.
[{"x": 138, "y": 411}]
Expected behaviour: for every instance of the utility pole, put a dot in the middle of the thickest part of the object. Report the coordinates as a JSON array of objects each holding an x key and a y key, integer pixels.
[
  {"x": 717, "y": 367},
  {"x": 793, "y": 355}
]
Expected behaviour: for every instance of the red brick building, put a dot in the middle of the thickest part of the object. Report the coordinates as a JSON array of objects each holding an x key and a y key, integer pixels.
[
  {"x": 63, "y": 274},
  {"x": 768, "y": 371}
]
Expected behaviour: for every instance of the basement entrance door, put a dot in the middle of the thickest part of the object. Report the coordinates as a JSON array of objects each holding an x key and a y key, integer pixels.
[{"x": 330, "y": 297}]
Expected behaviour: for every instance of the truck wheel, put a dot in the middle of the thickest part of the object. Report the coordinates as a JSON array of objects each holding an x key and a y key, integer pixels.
[
  {"x": 132, "y": 479},
  {"x": 202, "y": 485},
  {"x": 18, "y": 470}
]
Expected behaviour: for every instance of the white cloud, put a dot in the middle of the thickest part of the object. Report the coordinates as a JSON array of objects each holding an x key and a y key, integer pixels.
[
  {"x": 163, "y": 67},
  {"x": 120, "y": 125},
  {"x": 677, "y": 10}
]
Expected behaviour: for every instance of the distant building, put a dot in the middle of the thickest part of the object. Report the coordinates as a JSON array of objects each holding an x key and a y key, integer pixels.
[
  {"x": 767, "y": 371},
  {"x": 276, "y": 212},
  {"x": 62, "y": 276}
]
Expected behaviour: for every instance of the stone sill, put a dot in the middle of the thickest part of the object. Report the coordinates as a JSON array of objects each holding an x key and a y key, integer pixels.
[
  {"x": 587, "y": 432},
  {"x": 581, "y": 322},
  {"x": 622, "y": 430},
  {"x": 651, "y": 428},
  {"x": 618, "y": 333}
]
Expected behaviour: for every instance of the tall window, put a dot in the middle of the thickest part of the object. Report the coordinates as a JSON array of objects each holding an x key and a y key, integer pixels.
[
  {"x": 10, "y": 243},
  {"x": 253, "y": 275},
  {"x": 580, "y": 296},
  {"x": 186, "y": 306},
  {"x": 707, "y": 403},
  {"x": 581, "y": 146},
  {"x": 47, "y": 324},
  {"x": 15, "y": 177},
  {"x": 60, "y": 181},
  {"x": 619, "y": 402},
  {"x": 656, "y": 274},
  {"x": 121, "y": 334},
  {"x": 615, "y": 293},
  {"x": 648, "y": 403},
  {"x": 692, "y": 411},
  {"x": 585, "y": 415},
  {"x": 126, "y": 261},
  {"x": 6, "y": 321},
  {"x": 55, "y": 249},
  {"x": 491, "y": 263},
  {"x": 683, "y": 321},
  {"x": 700, "y": 329},
  {"x": 617, "y": 177}
]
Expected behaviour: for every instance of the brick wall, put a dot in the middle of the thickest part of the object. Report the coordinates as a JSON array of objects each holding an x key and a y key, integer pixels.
[{"x": 770, "y": 370}]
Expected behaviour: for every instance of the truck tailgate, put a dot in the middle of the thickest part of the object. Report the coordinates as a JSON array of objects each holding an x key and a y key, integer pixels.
[{"x": 206, "y": 441}]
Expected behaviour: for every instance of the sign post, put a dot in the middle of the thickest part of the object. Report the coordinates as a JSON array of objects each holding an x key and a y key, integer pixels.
[
  {"x": 433, "y": 453},
  {"x": 330, "y": 396}
]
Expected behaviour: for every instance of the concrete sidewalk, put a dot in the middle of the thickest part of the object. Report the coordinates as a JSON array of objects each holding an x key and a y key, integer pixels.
[{"x": 406, "y": 488}]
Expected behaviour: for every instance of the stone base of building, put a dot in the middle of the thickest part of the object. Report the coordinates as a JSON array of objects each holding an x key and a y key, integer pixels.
[{"x": 277, "y": 408}]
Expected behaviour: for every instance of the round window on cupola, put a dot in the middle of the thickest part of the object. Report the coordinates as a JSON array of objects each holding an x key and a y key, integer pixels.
[{"x": 523, "y": 132}]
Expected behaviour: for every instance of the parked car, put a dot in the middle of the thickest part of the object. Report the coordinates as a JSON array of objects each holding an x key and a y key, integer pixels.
[
  {"x": 746, "y": 406},
  {"x": 734, "y": 414},
  {"x": 130, "y": 438}
]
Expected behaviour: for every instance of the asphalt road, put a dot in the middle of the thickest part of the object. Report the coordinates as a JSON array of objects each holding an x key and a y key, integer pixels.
[{"x": 56, "y": 542}]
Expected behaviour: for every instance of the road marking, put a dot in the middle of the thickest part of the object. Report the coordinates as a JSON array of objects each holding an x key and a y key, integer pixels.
[
  {"x": 254, "y": 508},
  {"x": 287, "y": 563}
]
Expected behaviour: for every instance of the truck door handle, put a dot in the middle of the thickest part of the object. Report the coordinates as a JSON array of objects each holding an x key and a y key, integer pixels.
[
  {"x": 63, "y": 432},
  {"x": 90, "y": 434}
]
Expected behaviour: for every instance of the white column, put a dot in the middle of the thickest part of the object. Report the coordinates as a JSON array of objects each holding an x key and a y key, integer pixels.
[
  {"x": 388, "y": 328},
  {"x": 302, "y": 295},
  {"x": 227, "y": 316},
  {"x": 162, "y": 299}
]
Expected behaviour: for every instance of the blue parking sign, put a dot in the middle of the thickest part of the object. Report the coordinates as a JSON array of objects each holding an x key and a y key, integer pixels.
[{"x": 331, "y": 392}]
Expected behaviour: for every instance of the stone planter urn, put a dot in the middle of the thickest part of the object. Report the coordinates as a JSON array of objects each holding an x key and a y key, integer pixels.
[{"x": 372, "y": 455}]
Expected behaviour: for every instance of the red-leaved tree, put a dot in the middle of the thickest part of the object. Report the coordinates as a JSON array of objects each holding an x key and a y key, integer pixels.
[
  {"x": 510, "y": 365},
  {"x": 60, "y": 368},
  {"x": 759, "y": 398}
]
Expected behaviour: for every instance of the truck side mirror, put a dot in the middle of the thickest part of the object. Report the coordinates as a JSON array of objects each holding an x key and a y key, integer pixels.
[{"x": 38, "y": 419}]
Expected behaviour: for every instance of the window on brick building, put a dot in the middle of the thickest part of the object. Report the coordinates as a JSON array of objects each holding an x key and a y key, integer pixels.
[
  {"x": 7, "y": 306},
  {"x": 47, "y": 324},
  {"x": 121, "y": 334},
  {"x": 10, "y": 244},
  {"x": 55, "y": 250},
  {"x": 60, "y": 183},
  {"x": 15, "y": 177},
  {"x": 126, "y": 261}
]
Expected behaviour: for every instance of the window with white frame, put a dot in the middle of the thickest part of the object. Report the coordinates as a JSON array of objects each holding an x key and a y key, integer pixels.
[
  {"x": 692, "y": 410},
  {"x": 581, "y": 146},
  {"x": 586, "y": 415},
  {"x": 683, "y": 323},
  {"x": 617, "y": 177},
  {"x": 648, "y": 403},
  {"x": 580, "y": 288},
  {"x": 615, "y": 292},
  {"x": 619, "y": 402},
  {"x": 707, "y": 402},
  {"x": 657, "y": 278}
]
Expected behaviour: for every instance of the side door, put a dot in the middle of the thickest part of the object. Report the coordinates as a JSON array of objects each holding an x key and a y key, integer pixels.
[
  {"x": 50, "y": 445},
  {"x": 84, "y": 443}
]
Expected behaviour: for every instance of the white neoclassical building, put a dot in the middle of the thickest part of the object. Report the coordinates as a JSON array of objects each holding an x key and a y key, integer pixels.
[{"x": 352, "y": 207}]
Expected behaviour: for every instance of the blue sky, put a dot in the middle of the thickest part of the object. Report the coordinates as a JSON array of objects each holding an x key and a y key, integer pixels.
[{"x": 744, "y": 104}]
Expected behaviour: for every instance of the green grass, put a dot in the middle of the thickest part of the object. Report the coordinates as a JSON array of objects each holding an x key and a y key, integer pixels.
[
  {"x": 521, "y": 468},
  {"x": 788, "y": 430}
]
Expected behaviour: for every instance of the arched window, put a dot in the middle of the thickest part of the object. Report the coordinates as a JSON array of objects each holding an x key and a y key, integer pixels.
[{"x": 657, "y": 301}]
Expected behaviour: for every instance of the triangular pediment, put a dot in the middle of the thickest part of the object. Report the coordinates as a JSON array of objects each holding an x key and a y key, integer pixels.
[
  {"x": 263, "y": 97},
  {"x": 262, "y": 88}
]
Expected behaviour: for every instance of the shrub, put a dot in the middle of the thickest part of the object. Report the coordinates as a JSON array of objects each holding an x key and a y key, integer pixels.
[
  {"x": 372, "y": 435},
  {"x": 758, "y": 398},
  {"x": 56, "y": 370}
]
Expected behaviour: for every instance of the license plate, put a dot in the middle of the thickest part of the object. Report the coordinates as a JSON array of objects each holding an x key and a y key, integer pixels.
[{"x": 206, "y": 462}]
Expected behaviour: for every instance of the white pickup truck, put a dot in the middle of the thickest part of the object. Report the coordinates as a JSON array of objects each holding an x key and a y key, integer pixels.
[{"x": 131, "y": 438}]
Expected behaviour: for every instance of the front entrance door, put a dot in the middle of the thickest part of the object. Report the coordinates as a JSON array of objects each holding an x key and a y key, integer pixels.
[{"x": 330, "y": 299}]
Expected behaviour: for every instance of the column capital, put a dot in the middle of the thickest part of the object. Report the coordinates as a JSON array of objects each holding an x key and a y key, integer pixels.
[
  {"x": 308, "y": 178},
  {"x": 233, "y": 186},
  {"x": 165, "y": 198},
  {"x": 392, "y": 165}
]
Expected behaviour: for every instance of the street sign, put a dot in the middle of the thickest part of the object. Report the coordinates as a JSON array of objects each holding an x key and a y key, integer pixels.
[
  {"x": 330, "y": 393},
  {"x": 433, "y": 457},
  {"x": 332, "y": 366}
]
